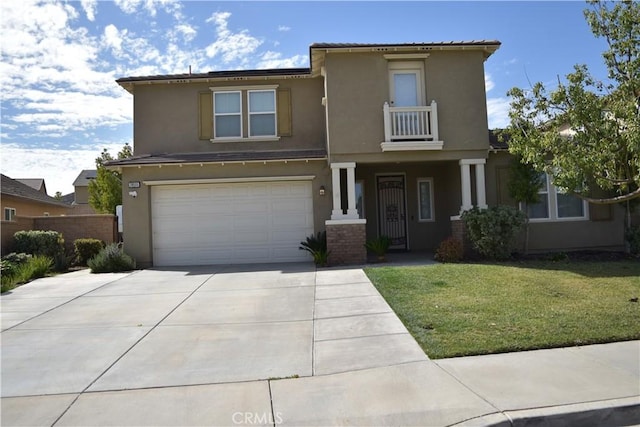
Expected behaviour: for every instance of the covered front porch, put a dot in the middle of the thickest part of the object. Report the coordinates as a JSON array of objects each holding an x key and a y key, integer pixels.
[{"x": 416, "y": 204}]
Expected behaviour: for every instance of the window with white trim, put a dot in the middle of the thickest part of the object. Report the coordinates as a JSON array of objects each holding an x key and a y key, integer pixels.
[
  {"x": 360, "y": 198},
  {"x": 425, "y": 199},
  {"x": 227, "y": 112},
  {"x": 555, "y": 204},
  {"x": 242, "y": 113},
  {"x": 262, "y": 112},
  {"x": 9, "y": 214}
]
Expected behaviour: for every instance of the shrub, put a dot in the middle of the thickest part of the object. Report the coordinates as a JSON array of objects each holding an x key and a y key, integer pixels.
[
  {"x": 85, "y": 249},
  {"x": 39, "y": 242},
  {"x": 316, "y": 245},
  {"x": 28, "y": 269},
  {"x": 379, "y": 245},
  {"x": 111, "y": 259},
  {"x": 10, "y": 262},
  {"x": 633, "y": 238},
  {"x": 450, "y": 250},
  {"x": 492, "y": 230},
  {"x": 35, "y": 268},
  {"x": 16, "y": 258}
]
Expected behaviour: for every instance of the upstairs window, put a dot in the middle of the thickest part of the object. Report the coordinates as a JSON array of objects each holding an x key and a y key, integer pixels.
[
  {"x": 227, "y": 110},
  {"x": 244, "y": 113},
  {"x": 262, "y": 112}
]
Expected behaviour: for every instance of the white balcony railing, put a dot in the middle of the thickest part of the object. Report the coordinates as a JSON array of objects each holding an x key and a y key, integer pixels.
[{"x": 415, "y": 127}]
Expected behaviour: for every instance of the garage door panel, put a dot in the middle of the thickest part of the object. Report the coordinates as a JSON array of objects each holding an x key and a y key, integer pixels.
[{"x": 231, "y": 223}]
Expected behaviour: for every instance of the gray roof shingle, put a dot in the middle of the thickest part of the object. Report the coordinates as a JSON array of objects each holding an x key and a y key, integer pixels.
[
  {"x": 11, "y": 187},
  {"x": 219, "y": 157},
  {"x": 84, "y": 177}
]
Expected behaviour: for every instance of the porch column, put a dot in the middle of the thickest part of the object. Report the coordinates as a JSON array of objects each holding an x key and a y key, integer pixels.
[
  {"x": 352, "y": 211},
  {"x": 336, "y": 213},
  {"x": 480, "y": 185},
  {"x": 346, "y": 233},
  {"x": 465, "y": 177}
]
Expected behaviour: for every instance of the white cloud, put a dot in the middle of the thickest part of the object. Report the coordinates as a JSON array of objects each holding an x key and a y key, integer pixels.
[
  {"x": 184, "y": 31},
  {"x": 150, "y": 6},
  {"x": 112, "y": 38},
  {"x": 58, "y": 167},
  {"x": 89, "y": 7},
  {"x": 283, "y": 28},
  {"x": 229, "y": 45},
  {"x": 50, "y": 75},
  {"x": 272, "y": 59},
  {"x": 488, "y": 82},
  {"x": 498, "y": 112}
]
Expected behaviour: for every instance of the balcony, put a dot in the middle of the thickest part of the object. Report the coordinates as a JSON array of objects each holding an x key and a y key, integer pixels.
[{"x": 411, "y": 128}]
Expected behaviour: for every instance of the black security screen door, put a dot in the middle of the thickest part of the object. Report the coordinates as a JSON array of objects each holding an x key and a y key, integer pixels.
[{"x": 392, "y": 219}]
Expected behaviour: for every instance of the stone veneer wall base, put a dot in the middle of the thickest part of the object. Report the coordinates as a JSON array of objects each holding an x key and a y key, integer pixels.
[{"x": 345, "y": 242}]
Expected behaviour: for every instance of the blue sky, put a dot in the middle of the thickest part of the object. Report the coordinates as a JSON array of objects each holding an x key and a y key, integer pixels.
[{"x": 61, "y": 107}]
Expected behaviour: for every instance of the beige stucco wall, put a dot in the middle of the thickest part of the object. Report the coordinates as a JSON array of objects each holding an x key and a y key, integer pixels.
[
  {"x": 81, "y": 194},
  {"x": 358, "y": 86},
  {"x": 137, "y": 211},
  {"x": 557, "y": 235},
  {"x": 446, "y": 199},
  {"x": 26, "y": 207},
  {"x": 166, "y": 118}
]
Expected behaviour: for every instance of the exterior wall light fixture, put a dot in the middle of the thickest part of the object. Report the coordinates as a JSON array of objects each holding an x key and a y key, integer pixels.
[{"x": 322, "y": 190}]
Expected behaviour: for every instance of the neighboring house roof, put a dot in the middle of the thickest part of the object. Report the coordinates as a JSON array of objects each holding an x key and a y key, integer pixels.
[
  {"x": 316, "y": 53},
  {"x": 230, "y": 157},
  {"x": 69, "y": 198},
  {"x": 499, "y": 139},
  {"x": 85, "y": 176},
  {"x": 35, "y": 183},
  {"x": 12, "y": 187}
]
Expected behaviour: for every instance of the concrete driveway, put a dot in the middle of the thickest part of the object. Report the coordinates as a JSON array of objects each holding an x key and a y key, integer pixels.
[{"x": 261, "y": 345}]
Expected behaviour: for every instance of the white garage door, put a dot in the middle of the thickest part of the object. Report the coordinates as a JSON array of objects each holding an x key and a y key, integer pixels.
[{"x": 231, "y": 223}]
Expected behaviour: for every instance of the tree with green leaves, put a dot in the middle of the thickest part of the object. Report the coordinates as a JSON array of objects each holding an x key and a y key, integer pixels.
[
  {"x": 524, "y": 186},
  {"x": 105, "y": 191},
  {"x": 586, "y": 132}
]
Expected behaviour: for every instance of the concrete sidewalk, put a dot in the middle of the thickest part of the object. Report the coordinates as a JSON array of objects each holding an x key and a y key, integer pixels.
[{"x": 275, "y": 345}]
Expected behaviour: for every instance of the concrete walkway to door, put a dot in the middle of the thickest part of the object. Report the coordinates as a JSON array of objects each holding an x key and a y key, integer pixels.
[{"x": 265, "y": 345}]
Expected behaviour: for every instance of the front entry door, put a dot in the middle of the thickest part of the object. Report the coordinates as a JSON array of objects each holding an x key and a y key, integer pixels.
[{"x": 392, "y": 210}]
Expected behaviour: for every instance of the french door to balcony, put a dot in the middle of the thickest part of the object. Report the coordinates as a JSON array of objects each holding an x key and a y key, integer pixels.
[
  {"x": 392, "y": 218},
  {"x": 406, "y": 85},
  {"x": 406, "y": 92}
]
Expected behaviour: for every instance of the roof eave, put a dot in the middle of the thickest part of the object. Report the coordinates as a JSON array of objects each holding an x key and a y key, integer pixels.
[
  {"x": 46, "y": 202},
  {"x": 128, "y": 83}
]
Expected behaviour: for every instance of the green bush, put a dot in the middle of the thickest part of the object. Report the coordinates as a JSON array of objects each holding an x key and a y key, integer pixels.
[
  {"x": 633, "y": 237},
  {"x": 16, "y": 258},
  {"x": 10, "y": 262},
  {"x": 316, "y": 245},
  {"x": 379, "y": 245},
  {"x": 450, "y": 250},
  {"x": 25, "y": 271},
  {"x": 39, "y": 242},
  {"x": 35, "y": 268},
  {"x": 85, "y": 249},
  {"x": 111, "y": 259},
  {"x": 492, "y": 230}
]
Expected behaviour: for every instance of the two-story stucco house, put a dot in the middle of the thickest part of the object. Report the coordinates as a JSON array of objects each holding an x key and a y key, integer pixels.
[{"x": 372, "y": 139}]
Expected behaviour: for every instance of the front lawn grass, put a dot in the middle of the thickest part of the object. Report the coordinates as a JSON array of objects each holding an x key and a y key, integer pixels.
[{"x": 468, "y": 309}]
